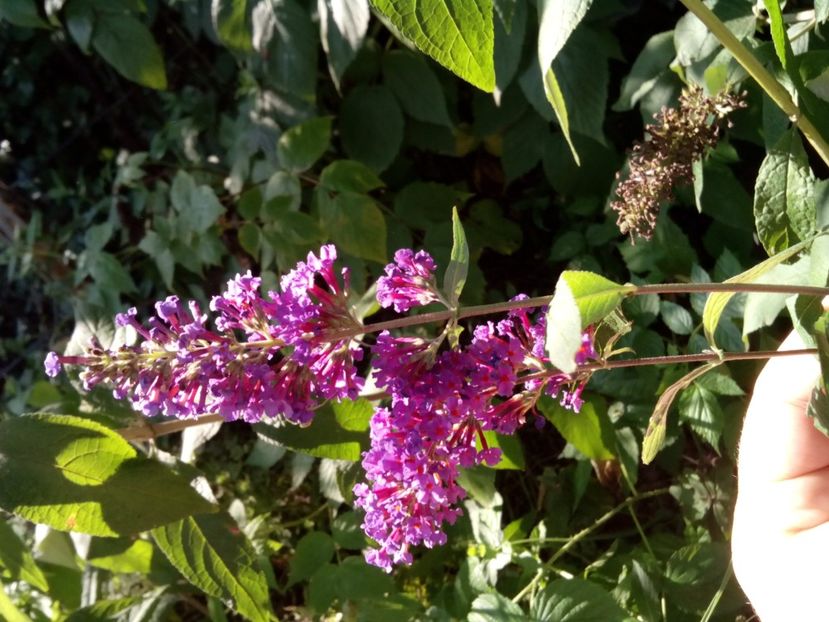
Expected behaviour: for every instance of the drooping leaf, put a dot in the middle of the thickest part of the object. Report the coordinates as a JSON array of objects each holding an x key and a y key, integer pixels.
[
  {"x": 784, "y": 205},
  {"x": 716, "y": 303},
  {"x": 343, "y": 26},
  {"x": 509, "y": 42},
  {"x": 74, "y": 474},
  {"x": 302, "y": 145},
  {"x": 455, "y": 276},
  {"x": 215, "y": 556},
  {"x": 782, "y": 46},
  {"x": 232, "y": 23},
  {"x": 575, "y": 600},
  {"x": 127, "y": 44},
  {"x": 580, "y": 299},
  {"x": 657, "y": 425},
  {"x": 459, "y": 34}
]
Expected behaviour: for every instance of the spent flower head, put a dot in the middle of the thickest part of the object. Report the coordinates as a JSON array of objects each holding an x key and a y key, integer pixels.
[{"x": 678, "y": 137}]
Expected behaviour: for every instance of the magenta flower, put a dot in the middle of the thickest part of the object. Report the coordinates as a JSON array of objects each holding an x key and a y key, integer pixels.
[{"x": 408, "y": 282}]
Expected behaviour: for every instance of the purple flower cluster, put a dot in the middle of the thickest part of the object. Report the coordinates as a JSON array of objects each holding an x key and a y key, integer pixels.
[
  {"x": 285, "y": 354},
  {"x": 267, "y": 358},
  {"x": 441, "y": 404}
]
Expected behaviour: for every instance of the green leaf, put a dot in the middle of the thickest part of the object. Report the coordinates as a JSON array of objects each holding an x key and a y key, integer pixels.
[
  {"x": 159, "y": 250},
  {"x": 371, "y": 126},
  {"x": 762, "y": 308},
  {"x": 720, "y": 384},
  {"x": 646, "y": 70},
  {"x": 558, "y": 19},
  {"x": 9, "y": 612},
  {"x": 232, "y": 23},
  {"x": 332, "y": 434},
  {"x": 347, "y": 532},
  {"x": 512, "y": 454},
  {"x": 784, "y": 205},
  {"x": 676, "y": 318},
  {"x": 588, "y": 430},
  {"x": 21, "y": 13},
  {"x": 580, "y": 299},
  {"x": 355, "y": 224},
  {"x": 127, "y": 44},
  {"x": 286, "y": 40},
  {"x": 302, "y": 145},
  {"x": 109, "y": 273},
  {"x": 17, "y": 561},
  {"x": 197, "y": 206},
  {"x": 494, "y": 607},
  {"x": 424, "y": 204},
  {"x": 575, "y": 600},
  {"x": 556, "y": 98},
  {"x": 657, "y": 425},
  {"x": 778, "y": 33},
  {"x": 312, "y": 551},
  {"x": 455, "y": 276},
  {"x": 509, "y": 43},
  {"x": 699, "y": 407},
  {"x": 716, "y": 303},
  {"x": 283, "y": 192},
  {"x": 214, "y": 555},
  {"x": 417, "y": 88},
  {"x": 350, "y": 176},
  {"x": 74, "y": 474},
  {"x": 459, "y": 34},
  {"x": 250, "y": 238},
  {"x": 343, "y": 26}
]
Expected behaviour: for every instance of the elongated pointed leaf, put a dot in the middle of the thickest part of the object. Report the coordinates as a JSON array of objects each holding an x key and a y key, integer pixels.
[
  {"x": 215, "y": 556},
  {"x": 455, "y": 276},
  {"x": 580, "y": 299},
  {"x": 716, "y": 303},
  {"x": 74, "y": 474},
  {"x": 655, "y": 434},
  {"x": 232, "y": 23}
]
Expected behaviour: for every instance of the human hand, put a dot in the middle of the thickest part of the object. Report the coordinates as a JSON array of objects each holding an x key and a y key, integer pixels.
[{"x": 780, "y": 537}]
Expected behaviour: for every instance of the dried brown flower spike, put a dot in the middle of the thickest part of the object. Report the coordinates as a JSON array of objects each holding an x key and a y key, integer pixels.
[{"x": 678, "y": 138}]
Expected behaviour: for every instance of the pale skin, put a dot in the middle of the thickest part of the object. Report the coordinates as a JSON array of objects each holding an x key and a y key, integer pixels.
[{"x": 780, "y": 538}]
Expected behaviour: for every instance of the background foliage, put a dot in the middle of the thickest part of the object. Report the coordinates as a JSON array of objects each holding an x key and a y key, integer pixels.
[{"x": 150, "y": 147}]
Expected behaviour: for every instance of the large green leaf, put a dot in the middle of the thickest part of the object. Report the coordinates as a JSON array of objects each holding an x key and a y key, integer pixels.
[
  {"x": 588, "y": 430},
  {"x": 575, "y": 600},
  {"x": 339, "y": 432},
  {"x": 21, "y": 13},
  {"x": 580, "y": 299},
  {"x": 784, "y": 204},
  {"x": 232, "y": 23},
  {"x": 74, "y": 474},
  {"x": 700, "y": 408},
  {"x": 312, "y": 551},
  {"x": 127, "y": 44},
  {"x": 215, "y": 556},
  {"x": 651, "y": 63},
  {"x": 459, "y": 34}
]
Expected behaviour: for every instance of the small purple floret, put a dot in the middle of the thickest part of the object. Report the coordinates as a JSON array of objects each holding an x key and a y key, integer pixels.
[
  {"x": 408, "y": 282},
  {"x": 52, "y": 364}
]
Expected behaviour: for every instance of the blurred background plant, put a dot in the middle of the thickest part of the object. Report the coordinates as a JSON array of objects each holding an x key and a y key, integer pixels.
[{"x": 150, "y": 147}]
